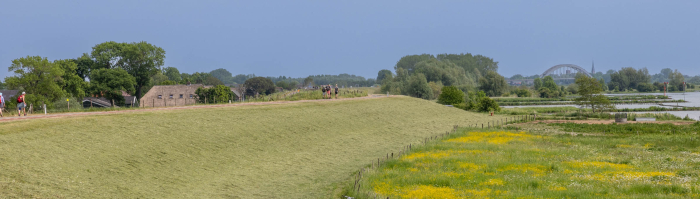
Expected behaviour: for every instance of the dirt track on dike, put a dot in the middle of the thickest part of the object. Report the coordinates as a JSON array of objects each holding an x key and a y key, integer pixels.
[
  {"x": 11, "y": 116},
  {"x": 611, "y": 121}
]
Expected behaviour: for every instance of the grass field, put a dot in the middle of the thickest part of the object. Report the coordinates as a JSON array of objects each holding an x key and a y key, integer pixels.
[
  {"x": 296, "y": 150},
  {"x": 660, "y": 163}
]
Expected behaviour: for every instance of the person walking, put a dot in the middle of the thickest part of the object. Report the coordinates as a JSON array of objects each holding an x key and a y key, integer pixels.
[
  {"x": 2, "y": 104},
  {"x": 336, "y": 91},
  {"x": 330, "y": 89},
  {"x": 21, "y": 105},
  {"x": 323, "y": 90}
]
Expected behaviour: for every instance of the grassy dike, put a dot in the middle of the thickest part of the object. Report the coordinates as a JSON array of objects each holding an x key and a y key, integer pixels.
[{"x": 296, "y": 150}]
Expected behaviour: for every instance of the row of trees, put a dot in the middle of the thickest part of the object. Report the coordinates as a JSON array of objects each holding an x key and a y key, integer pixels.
[
  {"x": 425, "y": 75},
  {"x": 108, "y": 70}
]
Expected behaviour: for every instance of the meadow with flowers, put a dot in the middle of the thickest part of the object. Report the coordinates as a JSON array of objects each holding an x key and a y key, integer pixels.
[{"x": 527, "y": 162}]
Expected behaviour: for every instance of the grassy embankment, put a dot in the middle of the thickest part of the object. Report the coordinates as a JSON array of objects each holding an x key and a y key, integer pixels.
[
  {"x": 296, "y": 150},
  {"x": 659, "y": 162}
]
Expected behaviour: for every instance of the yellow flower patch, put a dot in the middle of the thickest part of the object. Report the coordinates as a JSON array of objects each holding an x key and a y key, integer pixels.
[
  {"x": 596, "y": 164},
  {"x": 439, "y": 154},
  {"x": 493, "y": 137},
  {"x": 557, "y": 188},
  {"x": 426, "y": 191},
  {"x": 469, "y": 166},
  {"x": 493, "y": 182}
]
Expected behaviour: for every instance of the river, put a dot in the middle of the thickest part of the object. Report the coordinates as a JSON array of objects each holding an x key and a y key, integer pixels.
[{"x": 692, "y": 98}]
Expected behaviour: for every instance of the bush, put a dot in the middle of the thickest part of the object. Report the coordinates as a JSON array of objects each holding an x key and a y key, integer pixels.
[
  {"x": 451, "y": 95},
  {"x": 645, "y": 87},
  {"x": 487, "y": 104},
  {"x": 523, "y": 93}
]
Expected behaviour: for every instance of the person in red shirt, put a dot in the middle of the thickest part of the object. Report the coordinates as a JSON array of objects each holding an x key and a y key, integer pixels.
[{"x": 21, "y": 105}]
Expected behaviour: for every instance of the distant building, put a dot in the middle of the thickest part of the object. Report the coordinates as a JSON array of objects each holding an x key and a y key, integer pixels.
[
  {"x": 96, "y": 101},
  {"x": 170, "y": 95}
]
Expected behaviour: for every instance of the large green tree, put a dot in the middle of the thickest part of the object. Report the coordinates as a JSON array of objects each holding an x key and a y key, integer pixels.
[
  {"x": 418, "y": 87},
  {"x": 38, "y": 77},
  {"x": 675, "y": 81},
  {"x": 589, "y": 90},
  {"x": 383, "y": 74},
  {"x": 84, "y": 65},
  {"x": 223, "y": 75},
  {"x": 538, "y": 83},
  {"x": 70, "y": 81},
  {"x": 140, "y": 59},
  {"x": 493, "y": 84},
  {"x": 110, "y": 83},
  {"x": 259, "y": 85},
  {"x": 173, "y": 74},
  {"x": 451, "y": 95}
]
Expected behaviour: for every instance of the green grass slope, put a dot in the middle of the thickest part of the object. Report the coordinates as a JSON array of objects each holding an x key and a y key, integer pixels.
[{"x": 298, "y": 150}]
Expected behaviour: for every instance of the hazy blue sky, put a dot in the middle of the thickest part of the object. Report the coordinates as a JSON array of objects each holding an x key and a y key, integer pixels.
[{"x": 301, "y": 38}]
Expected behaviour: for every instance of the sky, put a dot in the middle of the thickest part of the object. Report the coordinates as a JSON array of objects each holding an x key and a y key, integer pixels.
[{"x": 301, "y": 38}]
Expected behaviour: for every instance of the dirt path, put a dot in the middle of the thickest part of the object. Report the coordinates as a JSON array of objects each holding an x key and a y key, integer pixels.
[
  {"x": 610, "y": 122},
  {"x": 11, "y": 117}
]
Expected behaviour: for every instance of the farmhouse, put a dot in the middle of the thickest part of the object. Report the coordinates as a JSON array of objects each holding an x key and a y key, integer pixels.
[
  {"x": 170, "y": 95},
  {"x": 101, "y": 102}
]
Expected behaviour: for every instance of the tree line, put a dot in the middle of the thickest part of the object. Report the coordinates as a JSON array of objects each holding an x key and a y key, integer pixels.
[
  {"x": 112, "y": 68},
  {"x": 425, "y": 75}
]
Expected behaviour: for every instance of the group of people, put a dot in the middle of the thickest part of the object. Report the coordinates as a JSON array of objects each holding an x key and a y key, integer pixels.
[
  {"x": 21, "y": 105},
  {"x": 327, "y": 91}
]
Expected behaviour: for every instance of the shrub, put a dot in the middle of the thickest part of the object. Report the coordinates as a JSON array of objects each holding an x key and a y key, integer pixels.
[
  {"x": 523, "y": 93},
  {"x": 645, "y": 87},
  {"x": 487, "y": 104},
  {"x": 451, "y": 95}
]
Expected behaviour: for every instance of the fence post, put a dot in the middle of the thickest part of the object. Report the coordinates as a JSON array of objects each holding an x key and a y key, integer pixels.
[{"x": 44, "y": 109}]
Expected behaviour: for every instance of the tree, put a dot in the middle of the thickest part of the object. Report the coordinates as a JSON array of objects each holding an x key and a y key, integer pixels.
[
  {"x": 675, "y": 81},
  {"x": 259, "y": 85},
  {"x": 308, "y": 81},
  {"x": 140, "y": 59},
  {"x": 538, "y": 83},
  {"x": 492, "y": 84},
  {"x": 384, "y": 73},
  {"x": 523, "y": 93},
  {"x": 211, "y": 80},
  {"x": 408, "y": 62},
  {"x": 550, "y": 84},
  {"x": 487, "y": 104},
  {"x": 84, "y": 65},
  {"x": 110, "y": 83},
  {"x": 37, "y": 76},
  {"x": 418, "y": 87},
  {"x": 223, "y": 75},
  {"x": 70, "y": 81},
  {"x": 172, "y": 73},
  {"x": 589, "y": 89},
  {"x": 645, "y": 87},
  {"x": 451, "y": 95},
  {"x": 216, "y": 94}
]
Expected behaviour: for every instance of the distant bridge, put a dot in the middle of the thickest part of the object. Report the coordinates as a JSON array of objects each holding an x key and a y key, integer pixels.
[
  {"x": 565, "y": 71},
  {"x": 562, "y": 73}
]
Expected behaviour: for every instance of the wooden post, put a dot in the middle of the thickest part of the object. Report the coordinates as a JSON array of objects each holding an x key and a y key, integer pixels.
[
  {"x": 90, "y": 102},
  {"x": 68, "y": 105}
]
